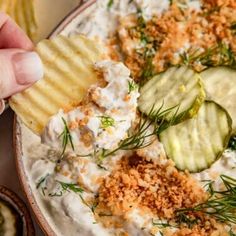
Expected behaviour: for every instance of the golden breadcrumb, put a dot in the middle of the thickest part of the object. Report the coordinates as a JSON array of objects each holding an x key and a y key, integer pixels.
[
  {"x": 179, "y": 36},
  {"x": 160, "y": 189}
]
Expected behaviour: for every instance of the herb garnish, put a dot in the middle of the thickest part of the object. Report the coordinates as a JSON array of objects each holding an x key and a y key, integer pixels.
[
  {"x": 181, "y": 219},
  {"x": 101, "y": 167},
  {"x": 106, "y": 121},
  {"x": 146, "y": 128},
  {"x": 148, "y": 69},
  {"x": 141, "y": 20},
  {"x": 91, "y": 207},
  {"x": 66, "y": 138},
  {"x": 231, "y": 233},
  {"x": 148, "y": 52},
  {"x": 110, "y": 3},
  {"x": 233, "y": 28},
  {"x": 132, "y": 86},
  {"x": 42, "y": 181},
  {"x": 221, "y": 205},
  {"x": 71, "y": 187},
  {"x": 221, "y": 54},
  {"x": 66, "y": 187},
  {"x": 232, "y": 143},
  {"x": 209, "y": 186},
  {"x": 161, "y": 224},
  {"x": 186, "y": 219}
]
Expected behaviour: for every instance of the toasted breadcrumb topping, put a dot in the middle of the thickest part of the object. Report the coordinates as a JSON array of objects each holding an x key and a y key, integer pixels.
[
  {"x": 179, "y": 36},
  {"x": 158, "y": 190},
  {"x": 207, "y": 227}
]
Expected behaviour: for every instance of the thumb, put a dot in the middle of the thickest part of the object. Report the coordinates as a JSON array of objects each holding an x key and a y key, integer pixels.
[{"x": 19, "y": 69}]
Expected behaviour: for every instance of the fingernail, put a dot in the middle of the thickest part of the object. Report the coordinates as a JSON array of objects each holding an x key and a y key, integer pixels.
[
  {"x": 2, "y": 106},
  {"x": 28, "y": 67}
]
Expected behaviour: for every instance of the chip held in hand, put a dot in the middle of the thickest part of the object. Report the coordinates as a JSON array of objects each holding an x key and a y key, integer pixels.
[{"x": 68, "y": 73}]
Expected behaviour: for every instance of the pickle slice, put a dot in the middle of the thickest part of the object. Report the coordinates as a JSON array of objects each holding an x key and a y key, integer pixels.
[
  {"x": 197, "y": 143},
  {"x": 220, "y": 85},
  {"x": 179, "y": 88}
]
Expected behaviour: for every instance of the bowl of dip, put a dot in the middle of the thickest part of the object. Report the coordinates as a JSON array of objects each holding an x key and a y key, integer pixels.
[
  {"x": 54, "y": 188},
  {"x": 14, "y": 216}
]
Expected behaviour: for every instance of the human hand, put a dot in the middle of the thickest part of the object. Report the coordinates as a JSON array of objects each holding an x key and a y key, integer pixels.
[{"x": 20, "y": 67}]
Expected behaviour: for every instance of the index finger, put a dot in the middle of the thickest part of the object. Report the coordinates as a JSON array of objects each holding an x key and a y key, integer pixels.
[{"x": 11, "y": 35}]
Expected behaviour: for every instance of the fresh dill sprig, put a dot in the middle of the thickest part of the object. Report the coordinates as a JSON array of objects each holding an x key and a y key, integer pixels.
[
  {"x": 66, "y": 138},
  {"x": 148, "y": 47},
  {"x": 148, "y": 69},
  {"x": 221, "y": 205},
  {"x": 144, "y": 39},
  {"x": 232, "y": 143},
  {"x": 180, "y": 219},
  {"x": 110, "y": 3},
  {"x": 106, "y": 121},
  {"x": 66, "y": 187},
  {"x": 186, "y": 219},
  {"x": 71, "y": 187},
  {"x": 132, "y": 86},
  {"x": 56, "y": 194},
  {"x": 42, "y": 181},
  {"x": 101, "y": 167},
  {"x": 209, "y": 186},
  {"x": 218, "y": 55},
  {"x": 141, "y": 20},
  {"x": 91, "y": 207},
  {"x": 145, "y": 131},
  {"x": 231, "y": 233},
  {"x": 161, "y": 224},
  {"x": 233, "y": 27}
]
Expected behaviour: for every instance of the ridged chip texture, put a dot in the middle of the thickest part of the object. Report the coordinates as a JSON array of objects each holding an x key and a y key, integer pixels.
[
  {"x": 22, "y": 11},
  {"x": 68, "y": 64}
]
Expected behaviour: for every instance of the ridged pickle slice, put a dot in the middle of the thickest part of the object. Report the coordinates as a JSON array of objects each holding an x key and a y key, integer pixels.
[
  {"x": 178, "y": 88},
  {"x": 220, "y": 85},
  {"x": 195, "y": 144}
]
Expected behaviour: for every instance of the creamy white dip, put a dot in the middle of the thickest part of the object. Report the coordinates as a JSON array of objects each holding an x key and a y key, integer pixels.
[
  {"x": 68, "y": 214},
  {"x": 107, "y": 115}
]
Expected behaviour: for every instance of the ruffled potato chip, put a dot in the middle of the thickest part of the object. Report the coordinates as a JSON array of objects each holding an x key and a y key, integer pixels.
[
  {"x": 22, "y": 11},
  {"x": 69, "y": 72}
]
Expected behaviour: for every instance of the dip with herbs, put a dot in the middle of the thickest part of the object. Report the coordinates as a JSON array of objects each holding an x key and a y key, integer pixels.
[{"x": 112, "y": 166}]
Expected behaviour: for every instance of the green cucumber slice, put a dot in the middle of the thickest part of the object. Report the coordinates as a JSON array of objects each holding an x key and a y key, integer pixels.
[
  {"x": 197, "y": 143},
  {"x": 220, "y": 85},
  {"x": 179, "y": 88}
]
